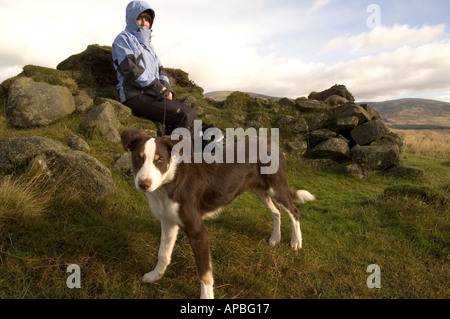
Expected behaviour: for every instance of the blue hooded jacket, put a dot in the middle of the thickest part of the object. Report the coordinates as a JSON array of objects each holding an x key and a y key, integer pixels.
[{"x": 138, "y": 68}]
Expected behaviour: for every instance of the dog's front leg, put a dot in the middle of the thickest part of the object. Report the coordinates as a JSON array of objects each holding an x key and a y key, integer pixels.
[
  {"x": 197, "y": 233},
  {"x": 169, "y": 232}
]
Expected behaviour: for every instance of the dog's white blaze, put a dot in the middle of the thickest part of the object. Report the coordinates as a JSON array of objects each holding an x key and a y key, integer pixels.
[{"x": 148, "y": 171}]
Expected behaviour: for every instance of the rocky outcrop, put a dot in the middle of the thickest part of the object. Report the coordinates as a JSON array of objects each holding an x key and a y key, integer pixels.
[
  {"x": 73, "y": 168},
  {"x": 82, "y": 172},
  {"x": 34, "y": 104},
  {"x": 336, "y": 90},
  {"x": 17, "y": 151}
]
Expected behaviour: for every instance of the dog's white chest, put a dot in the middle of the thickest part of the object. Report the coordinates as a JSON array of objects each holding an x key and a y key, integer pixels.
[{"x": 163, "y": 207}]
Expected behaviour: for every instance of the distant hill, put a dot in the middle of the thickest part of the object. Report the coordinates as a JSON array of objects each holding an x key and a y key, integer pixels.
[
  {"x": 222, "y": 95},
  {"x": 414, "y": 113}
]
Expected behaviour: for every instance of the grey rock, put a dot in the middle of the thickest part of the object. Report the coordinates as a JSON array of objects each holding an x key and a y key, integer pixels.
[
  {"x": 369, "y": 132},
  {"x": 297, "y": 147},
  {"x": 103, "y": 118},
  {"x": 82, "y": 172},
  {"x": 122, "y": 111},
  {"x": 335, "y": 100},
  {"x": 83, "y": 101},
  {"x": 351, "y": 109},
  {"x": 334, "y": 148},
  {"x": 357, "y": 170},
  {"x": 17, "y": 151},
  {"x": 318, "y": 136},
  {"x": 36, "y": 104},
  {"x": 379, "y": 157},
  {"x": 78, "y": 144},
  {"x": 404, "y": 172}
]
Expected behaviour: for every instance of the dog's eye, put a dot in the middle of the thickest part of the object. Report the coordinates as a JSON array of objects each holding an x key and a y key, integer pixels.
[
  {"x": 158, "y": 159},
  {"x": 141, "y": 154}
]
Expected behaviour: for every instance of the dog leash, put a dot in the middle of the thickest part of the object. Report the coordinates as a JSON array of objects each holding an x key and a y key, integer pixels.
[{"x": 163, "y": 129}]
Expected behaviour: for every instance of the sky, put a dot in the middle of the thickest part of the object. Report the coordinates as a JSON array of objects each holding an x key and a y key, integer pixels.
[{"x": 379, "y": 49}]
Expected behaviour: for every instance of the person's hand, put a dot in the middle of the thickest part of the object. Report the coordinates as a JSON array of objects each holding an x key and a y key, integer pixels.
[
  {"x": 163, "y": 94},
  {"x": 170, "y": 96}
]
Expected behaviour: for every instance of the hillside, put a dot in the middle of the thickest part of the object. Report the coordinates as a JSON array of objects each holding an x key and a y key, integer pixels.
[
  {"x": 48, "y": 223},
  {"x": 414, "y": 113}
]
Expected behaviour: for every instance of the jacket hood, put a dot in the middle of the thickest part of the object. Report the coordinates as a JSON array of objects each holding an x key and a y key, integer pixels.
[{"x": 134, "y": 9}]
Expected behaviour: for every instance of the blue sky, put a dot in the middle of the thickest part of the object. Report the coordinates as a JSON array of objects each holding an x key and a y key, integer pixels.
[{"x": 281, "y": 48}]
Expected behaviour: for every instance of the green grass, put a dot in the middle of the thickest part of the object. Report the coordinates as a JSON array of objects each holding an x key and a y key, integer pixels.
[{"x": 116, "y": 241}]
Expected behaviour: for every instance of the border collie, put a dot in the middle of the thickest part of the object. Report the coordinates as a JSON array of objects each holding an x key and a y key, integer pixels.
[{"x": 181, "y": 194}]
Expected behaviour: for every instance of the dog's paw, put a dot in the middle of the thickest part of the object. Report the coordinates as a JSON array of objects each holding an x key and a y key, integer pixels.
[
  {"x": 151, "y": 277},
  {"x": 273, "y": 240},
  {"x": 296, "y": 243}
]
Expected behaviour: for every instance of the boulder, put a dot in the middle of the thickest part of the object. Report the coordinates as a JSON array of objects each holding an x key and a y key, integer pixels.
[
  {"x": 379, "y": 157},
  {"x": 371, "y": 111},
  {"x": 82, "y": 172},
  {"x": 334, "y": 148},
  {"x": 17, "y": 151},
  {"x": 122, "y": 111},
  {"x": 35, "y": 104},
  {"x": 123, "y": 165},
  {"x": 335, "y": 100},
  {"x": 404, "y": 171},
  {"x": 343, "y": 124},
  {"x": 369, "y": 132},
  {"x": 292, "y": 124},
  {"x": 339, "y": 90},
  {"x": 311, "y": 106},
  {"x": 349, "y": 110},
  {"x": 358, "y": 171},
  {"x": 297, "y": 147},
  {"x": 318, "y": 136},
  {"x": 83, "y": 101},
  {"x": 78, "y": 144},
  {"x": 390, "y": 139},
  {"x": 103, "y": 118}
]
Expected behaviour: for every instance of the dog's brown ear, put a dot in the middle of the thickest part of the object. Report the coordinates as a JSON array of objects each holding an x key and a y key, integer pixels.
[
  {"x": 171, "y": 143},
  {"x": 131, "y": 137}
]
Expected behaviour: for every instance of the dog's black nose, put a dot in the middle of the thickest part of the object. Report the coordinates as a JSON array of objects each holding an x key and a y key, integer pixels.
[{"x": 145, "y": 184}]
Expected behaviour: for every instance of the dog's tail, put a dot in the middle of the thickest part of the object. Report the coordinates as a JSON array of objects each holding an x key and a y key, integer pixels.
[{"x": 302, "y": 196}]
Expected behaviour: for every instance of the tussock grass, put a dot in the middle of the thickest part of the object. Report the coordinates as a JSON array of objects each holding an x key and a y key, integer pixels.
[{"x": 427, "y": 142}]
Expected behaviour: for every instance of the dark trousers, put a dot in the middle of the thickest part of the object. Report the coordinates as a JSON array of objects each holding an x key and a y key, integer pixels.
[{"x": 177, "y": 113}]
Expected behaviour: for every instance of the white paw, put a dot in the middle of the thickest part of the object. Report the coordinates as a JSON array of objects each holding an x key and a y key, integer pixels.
[
  {"x": 273, "y": 240},
  {"x": 151, "y": 277},
  {"x": 296, "y": 243}
]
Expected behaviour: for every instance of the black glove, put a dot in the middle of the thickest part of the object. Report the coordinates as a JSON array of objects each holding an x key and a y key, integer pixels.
[{"x": 162, "y": 95}]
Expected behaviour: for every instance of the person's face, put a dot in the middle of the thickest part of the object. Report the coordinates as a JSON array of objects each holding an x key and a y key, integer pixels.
[{"x": 143, "y": 22}]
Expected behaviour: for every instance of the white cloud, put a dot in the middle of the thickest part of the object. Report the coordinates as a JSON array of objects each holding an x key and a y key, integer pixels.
[
  {"x": 384, "y": 37},
  {"x": 229, "y": 46},
  {"x": 319, "y": 4}
]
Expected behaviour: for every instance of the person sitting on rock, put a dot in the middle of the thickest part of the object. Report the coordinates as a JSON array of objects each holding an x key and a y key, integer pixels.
[{"x": 143, "y": 84}]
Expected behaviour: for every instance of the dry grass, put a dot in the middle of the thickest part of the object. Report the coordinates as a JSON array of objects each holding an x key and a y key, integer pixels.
[{"x": 426, "y": 142}]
